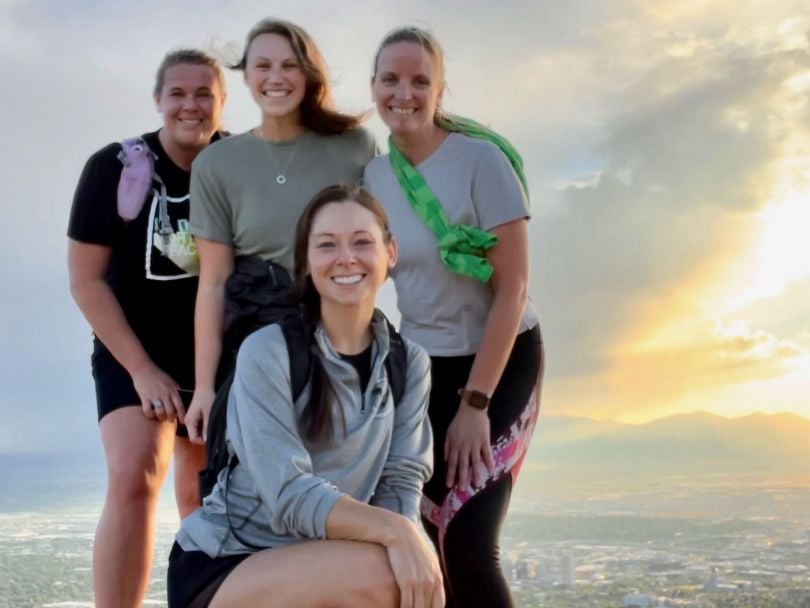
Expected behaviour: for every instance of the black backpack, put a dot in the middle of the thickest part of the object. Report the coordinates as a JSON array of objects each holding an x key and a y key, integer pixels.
[{"x": 296, "y": 335}]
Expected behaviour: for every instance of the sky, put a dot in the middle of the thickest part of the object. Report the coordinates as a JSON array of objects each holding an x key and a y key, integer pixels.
[{"x": 667, "y": 148}]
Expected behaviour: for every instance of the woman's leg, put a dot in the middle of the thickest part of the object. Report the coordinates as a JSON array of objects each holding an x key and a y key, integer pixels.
[
  {"x": 189, "y": 460},
  {"x": 138, "y": 452},
  {"x": 465, "y": 524},
  {"x": 334, "y": 573},
  {"x": 471, "y": 551}
]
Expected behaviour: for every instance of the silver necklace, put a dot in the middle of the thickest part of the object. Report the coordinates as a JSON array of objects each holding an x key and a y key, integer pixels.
[{"x": 281, "y": 178}]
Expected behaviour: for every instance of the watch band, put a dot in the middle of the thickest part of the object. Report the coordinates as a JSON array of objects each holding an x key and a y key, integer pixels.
[{"x": 474, "y": 398}]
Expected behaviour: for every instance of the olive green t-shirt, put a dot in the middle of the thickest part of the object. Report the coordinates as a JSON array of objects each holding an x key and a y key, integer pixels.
[{"x": 238, "y": 201}]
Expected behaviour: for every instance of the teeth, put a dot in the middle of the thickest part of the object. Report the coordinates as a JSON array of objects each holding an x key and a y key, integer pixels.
[
  {"x": 350, "y": 280},
  {"x": 276, "y": 93},
  {"x": 191, "y": 121},
  {"x": 403, "y": 111}
]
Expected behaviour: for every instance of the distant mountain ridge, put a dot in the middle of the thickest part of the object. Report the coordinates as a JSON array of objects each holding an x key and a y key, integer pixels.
[
  {"x": 681, "y": 444},
  {"x": 700, "y": 441}
]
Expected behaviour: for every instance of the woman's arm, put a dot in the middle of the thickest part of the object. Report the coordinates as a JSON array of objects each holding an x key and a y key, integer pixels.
[
  {"x": 87, "y": 267},
  {"x": 410, "y": 457},
  {"x": 414, "y": 564},
  {"x": 216, "y": 265},
  {"x": 467, "y": 448}
]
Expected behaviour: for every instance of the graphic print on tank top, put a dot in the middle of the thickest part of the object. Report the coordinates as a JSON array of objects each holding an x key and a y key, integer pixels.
[{"x": 175, "y": 255}]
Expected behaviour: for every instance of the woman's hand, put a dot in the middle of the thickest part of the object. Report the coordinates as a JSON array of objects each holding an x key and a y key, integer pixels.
[
  {"x": 416, "y": 568},
  {"x": 466, "y": 447},
  {"x": 160, "y": 398},
  {"x": 198, "y": 414},
  {"x": 216, "y": 265}
]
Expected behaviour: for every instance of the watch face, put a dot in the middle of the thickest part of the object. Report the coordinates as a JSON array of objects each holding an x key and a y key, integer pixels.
[{"x": 478, "y": 400}]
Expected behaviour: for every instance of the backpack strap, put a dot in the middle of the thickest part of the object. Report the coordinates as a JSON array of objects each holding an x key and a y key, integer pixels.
[
  {"x": 295, "y": 330},
  {"x": 396, "y": 363}
]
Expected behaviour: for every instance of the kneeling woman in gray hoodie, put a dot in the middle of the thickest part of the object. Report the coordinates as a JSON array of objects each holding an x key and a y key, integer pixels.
[{"x": 323, "y": 505}]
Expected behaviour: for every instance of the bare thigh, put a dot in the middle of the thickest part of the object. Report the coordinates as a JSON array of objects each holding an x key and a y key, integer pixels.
[{"x": 312, "y": 574}]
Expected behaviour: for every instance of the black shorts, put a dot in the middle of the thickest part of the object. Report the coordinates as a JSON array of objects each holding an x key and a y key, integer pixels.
[
  {"x": 194, "y": 578},
  {"x": 114, "y": 387}
]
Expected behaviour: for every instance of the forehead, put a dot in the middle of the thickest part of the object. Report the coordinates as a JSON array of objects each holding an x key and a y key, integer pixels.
[
  {"x": 190, "y": 76},
  {"x": 406, "y": 56},
  {"x": 344, "y": 217},
  {"x": 273, "y": 46}
]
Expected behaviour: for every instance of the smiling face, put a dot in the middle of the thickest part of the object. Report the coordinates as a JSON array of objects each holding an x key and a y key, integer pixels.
[
  {"x": 190, "y": 101},
  {"x": 274, "y": 76},
  {"x": 348, "y": 255},
  {"x": 407, "y": 88}
]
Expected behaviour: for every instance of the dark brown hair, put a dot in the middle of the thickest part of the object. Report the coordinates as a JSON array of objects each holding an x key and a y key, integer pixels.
[
  {"x": 187, "y": 57},
  {"x": 316, "y": 421},
  {"x": 317, "y": 108}
]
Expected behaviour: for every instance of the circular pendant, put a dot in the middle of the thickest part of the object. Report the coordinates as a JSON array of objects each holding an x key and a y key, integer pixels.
[{"x": 281, "y": 180}]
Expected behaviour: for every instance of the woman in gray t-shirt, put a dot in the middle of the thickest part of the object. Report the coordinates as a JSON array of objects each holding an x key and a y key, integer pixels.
[
  {"x": 249, "y": 192},
  {"x": 459, "y": 213}
]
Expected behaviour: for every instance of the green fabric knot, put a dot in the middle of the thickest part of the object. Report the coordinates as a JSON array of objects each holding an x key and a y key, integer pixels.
[{"x": 464, "y": 248}]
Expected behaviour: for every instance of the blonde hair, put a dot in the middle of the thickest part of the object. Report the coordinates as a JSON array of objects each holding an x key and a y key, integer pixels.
[{"x": 187, "y": 57}]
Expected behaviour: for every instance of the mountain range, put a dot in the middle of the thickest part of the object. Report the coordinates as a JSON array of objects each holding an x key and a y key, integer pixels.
[
  {"x": 682, "y": 444},
  {"x": 687, "y": 443}
]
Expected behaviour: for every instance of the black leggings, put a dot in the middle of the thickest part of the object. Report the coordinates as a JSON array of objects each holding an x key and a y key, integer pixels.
[{"x": 465, "y": 524}]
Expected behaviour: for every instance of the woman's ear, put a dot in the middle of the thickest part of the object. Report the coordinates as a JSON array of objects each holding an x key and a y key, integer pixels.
[{"x": 392, "y": 253}]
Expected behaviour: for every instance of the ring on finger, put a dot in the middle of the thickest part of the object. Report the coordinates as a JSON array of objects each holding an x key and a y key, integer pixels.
[{"x": 157, "y": 404}]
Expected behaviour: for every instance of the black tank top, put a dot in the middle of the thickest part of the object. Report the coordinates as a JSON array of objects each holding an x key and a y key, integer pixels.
[{"x": 362, "y": 363}]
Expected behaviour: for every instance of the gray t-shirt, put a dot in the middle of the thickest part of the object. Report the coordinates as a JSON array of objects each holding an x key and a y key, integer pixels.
[
  {"x": 237, "y": 200},
  {"x": 444, "y": 311}
]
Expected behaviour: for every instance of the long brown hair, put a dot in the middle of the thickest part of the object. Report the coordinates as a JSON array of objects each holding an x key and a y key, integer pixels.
[
  {"x": 316, "y": 420},
  {"x": 318, "y": 112}
]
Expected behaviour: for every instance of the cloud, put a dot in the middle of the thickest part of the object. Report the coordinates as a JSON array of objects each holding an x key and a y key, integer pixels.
[{"x": 675, "y": 195}]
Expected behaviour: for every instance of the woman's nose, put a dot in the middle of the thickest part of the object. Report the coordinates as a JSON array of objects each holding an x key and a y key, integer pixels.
[
  {"x": 404, "y": 91},
  {"x": 346, "y": 255}
]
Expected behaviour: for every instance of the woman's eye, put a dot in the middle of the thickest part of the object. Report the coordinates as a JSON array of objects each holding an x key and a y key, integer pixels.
[
  {"x": 290, "y": 66},
  {"x": 324, "y": 245},
  {"x": 388, "y": 79},
  {"x": 363, "y": 242}
]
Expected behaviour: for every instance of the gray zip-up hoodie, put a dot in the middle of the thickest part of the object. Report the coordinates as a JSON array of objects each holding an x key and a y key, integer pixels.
[{"x": 284, "y": 486}]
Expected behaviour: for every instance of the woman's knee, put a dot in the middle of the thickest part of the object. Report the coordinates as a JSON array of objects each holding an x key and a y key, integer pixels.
[
  {"x": 137, "y": 452},
  {"x": 376, "y": 585},
  {"x": 136, "y": 476},
  {"x": 131, "y": 484}
]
